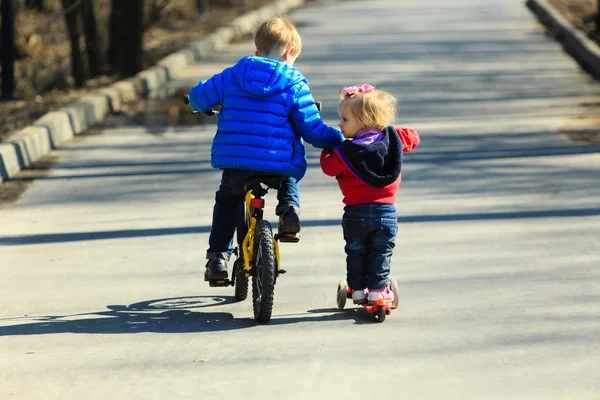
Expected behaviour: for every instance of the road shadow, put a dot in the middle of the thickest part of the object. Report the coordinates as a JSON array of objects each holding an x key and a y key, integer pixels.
[{"x": 46, "y": 238}]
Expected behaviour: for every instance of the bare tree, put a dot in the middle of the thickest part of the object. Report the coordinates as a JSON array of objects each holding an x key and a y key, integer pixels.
[
  {"x": 598, "y": 17},
  {"x": 93, "y": 46},
  {"x": 37, "y": 5},
  {"x": 7, "y": 50},
  {"x": 126, "y": 36},
  {"x": 71, "y": 12}
]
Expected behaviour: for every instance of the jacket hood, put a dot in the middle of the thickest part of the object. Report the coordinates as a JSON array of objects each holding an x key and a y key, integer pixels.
[
  {"x": 378, "y": 164},
  {"x": 263, "y": 77}
]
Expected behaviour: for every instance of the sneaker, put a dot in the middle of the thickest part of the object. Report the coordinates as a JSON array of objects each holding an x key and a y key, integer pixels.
[
  {"x": 289, "y": 222},
  {"x": 383, "y": 293},
  {"x": 216, "y": 269},
  {"x": 359, "y": 296}
]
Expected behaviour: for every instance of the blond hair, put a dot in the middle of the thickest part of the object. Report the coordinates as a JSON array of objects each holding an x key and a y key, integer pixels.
[
  {"x": 276, "y": 35},
  {"x": 373, "y": 109}
]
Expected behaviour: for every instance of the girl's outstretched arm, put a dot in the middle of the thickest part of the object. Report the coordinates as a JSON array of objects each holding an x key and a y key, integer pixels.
[
  {"x": 410, "y": 138},
  {"x": 330, "y": 163}
]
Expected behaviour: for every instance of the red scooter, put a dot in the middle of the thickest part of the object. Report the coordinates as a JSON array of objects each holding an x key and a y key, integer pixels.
[{"x": 381, "y": 309}]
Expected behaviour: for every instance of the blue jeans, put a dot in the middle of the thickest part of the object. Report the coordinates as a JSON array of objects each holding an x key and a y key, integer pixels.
[
  {"x": 370, "y": 232},
  {"x": 229, "y": 203}
]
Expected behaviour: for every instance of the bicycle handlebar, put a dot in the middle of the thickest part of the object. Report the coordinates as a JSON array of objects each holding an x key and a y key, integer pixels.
[{"x": 210, "y": 113}]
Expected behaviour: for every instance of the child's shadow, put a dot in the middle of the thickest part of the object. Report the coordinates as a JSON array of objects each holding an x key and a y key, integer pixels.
[
  {"x": 325, "y": 314},
  {"x": 172, "y": 315}
]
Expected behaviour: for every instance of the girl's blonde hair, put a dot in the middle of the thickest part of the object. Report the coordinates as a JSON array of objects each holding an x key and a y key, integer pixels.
[
  {"x": 277, "y": 34},
  {"x": 372, "y": 109}
]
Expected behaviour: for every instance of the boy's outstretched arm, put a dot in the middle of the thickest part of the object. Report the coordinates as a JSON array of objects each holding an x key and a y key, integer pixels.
[
  {"x": 208, "y": 94},
  {"x": 307, "y": 122}
]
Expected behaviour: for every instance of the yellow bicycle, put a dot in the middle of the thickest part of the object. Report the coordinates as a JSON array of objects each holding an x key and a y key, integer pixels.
[{"x": 257, "y": 254}]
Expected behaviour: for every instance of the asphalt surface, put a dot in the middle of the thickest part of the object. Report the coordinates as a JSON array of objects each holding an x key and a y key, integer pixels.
[{"x": 101, "y": 261}]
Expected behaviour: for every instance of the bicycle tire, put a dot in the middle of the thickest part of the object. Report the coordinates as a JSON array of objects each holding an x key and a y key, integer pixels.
[
  {"x": 263, "y": 279},
  {"x": 241, "y": 280}
]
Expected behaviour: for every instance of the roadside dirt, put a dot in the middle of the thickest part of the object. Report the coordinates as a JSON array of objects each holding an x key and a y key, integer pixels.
[
  {"x": 581, "y": 13},
  {"x": 585, "y": 127}
]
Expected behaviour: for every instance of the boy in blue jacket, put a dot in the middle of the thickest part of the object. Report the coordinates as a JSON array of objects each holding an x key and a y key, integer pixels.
[{"x": 267, "y": 111}]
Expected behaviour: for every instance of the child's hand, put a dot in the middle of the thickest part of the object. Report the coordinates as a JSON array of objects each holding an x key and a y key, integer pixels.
[{"x": 410, "y": 138}]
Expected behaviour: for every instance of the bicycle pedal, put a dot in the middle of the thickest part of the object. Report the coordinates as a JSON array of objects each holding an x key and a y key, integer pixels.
[
  {"x": 287, "y": 238},
  {"x": 219, "y": 282}
]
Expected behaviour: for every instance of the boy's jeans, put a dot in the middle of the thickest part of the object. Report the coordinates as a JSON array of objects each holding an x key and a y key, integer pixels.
[
  {"x": 369, "y": 231},
  {"x": 230, "y": 199}
]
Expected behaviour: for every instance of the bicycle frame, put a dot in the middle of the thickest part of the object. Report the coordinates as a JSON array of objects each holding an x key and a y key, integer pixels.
[{"x": 248, "y": 244}]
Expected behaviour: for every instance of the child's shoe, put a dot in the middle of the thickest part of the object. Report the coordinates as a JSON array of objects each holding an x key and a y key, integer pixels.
[
  {"x": 359, "y": 296},
  {"x": 289, "y": 225},
  {"x": 383, "y": 293},
  {"x": 289, "y": 221},
  {"x": 216, "y": 269}
]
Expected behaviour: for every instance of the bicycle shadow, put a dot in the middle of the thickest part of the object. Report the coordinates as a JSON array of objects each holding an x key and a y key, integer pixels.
[{"x": 168, "y": 315}]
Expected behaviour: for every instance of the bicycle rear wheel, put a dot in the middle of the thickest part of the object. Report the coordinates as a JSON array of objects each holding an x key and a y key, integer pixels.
[
  {"x": 240, "y": 278},
  {"x": 263, "y": 279}
]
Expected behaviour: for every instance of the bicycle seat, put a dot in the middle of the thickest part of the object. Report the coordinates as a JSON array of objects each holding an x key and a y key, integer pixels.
[{"x": 255, "y": 183}]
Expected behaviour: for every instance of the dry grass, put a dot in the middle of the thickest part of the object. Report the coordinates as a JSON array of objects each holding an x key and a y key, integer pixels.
[{"x": 581, "y": 13}]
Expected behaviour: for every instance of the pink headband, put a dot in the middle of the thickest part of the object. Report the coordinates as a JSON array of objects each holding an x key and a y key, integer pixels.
[{"x": 352, "y": 90}]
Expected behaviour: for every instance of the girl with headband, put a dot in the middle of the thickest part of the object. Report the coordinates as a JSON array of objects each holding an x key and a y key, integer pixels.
[{"x": 368, "y": 167}]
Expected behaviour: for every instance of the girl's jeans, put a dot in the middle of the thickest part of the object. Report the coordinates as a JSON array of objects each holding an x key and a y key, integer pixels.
[
  {"x": 230, "y": 199},
  {"x": 369, "y": 231}
]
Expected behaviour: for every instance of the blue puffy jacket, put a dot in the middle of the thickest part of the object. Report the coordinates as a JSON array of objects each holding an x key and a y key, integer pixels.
[{"x": 267, "y": 112}]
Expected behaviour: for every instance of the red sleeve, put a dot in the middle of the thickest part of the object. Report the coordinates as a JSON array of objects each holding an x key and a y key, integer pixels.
[
  {"x": 331, "y": 164},
  {"x": 410, "y": 138}
]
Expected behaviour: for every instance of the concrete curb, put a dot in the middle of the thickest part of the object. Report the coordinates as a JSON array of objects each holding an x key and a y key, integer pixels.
[
  {"x": 575, "y": 42},
  {"x": 24, "y": 147}
]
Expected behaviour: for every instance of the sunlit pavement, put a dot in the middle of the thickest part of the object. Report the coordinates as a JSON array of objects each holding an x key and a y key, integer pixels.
[{"x": 101, "y": 261}]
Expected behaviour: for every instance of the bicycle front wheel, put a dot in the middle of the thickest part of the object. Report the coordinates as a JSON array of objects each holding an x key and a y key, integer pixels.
[{"x": 263, "y": 279}]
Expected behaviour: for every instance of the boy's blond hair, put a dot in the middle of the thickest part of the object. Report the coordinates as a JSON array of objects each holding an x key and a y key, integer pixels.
[
  {"x": 276, "y": 35},
  {"x": 374, "y": 109}
]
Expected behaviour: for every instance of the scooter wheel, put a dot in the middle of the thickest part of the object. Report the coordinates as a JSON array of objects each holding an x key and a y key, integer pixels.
[
  {"x": 394, "y": 289},
  {"x": 342, "y": 294},
  {"x": 381, "y": 313}
]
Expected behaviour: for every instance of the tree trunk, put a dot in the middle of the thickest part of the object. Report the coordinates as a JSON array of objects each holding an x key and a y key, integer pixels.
[
  {"x": 202, "y": 6},
  {"x": 93, "y": 46},
  {"x": 71, "y": 11},
  {"x": 126, "y": 36},
  {"x": 598, "y": 17},
  {"x": 37, "y": 5},
  {"x": 7, "y": 49},
  {"x": 113, "y": 36}
]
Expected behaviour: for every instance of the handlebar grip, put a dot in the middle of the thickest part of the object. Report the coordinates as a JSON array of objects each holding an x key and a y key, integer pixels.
[{"x": 210, "y": 113}]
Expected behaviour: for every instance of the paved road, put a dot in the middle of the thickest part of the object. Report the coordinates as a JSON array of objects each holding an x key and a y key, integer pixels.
[{"x": 101, "y": 261}]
